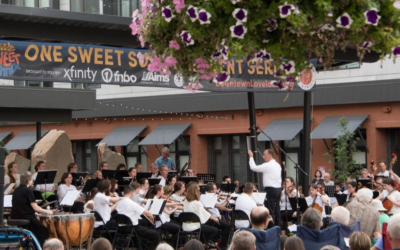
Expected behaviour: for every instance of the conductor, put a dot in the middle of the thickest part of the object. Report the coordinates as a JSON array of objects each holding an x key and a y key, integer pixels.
[{"x": 272, "y": 181}]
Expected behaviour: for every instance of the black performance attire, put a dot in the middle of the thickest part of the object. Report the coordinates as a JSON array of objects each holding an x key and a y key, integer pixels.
[{"x": 22, "y": 209}]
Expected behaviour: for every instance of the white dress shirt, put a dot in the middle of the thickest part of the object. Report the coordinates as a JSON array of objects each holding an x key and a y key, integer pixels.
[
  {"x": 197, "y": 208},
  {"x": 318, "y": 201},
  {"x": 271, "y": 172},
  {"x": 101, "y": 205},
  {"x": 63, "y": 189},
  {"x": 163, "y": 181},
  {"x": 131, "y": 209},
  {"x": 245, "y": 203},
  {"x": 17, "y": 180},
  {"x": 48, "y": 187}
]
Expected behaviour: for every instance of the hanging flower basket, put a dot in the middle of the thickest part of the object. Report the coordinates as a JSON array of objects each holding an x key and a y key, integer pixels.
[{"x": 199, "y": 38}]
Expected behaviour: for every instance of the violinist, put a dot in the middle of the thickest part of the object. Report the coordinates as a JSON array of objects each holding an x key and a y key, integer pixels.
[
  {"x": 144, "y": 187},
  {"x": 317, "y": 201},
  {"x": 114, "y": 188},
  {"x": 179, "y": 190},
  {"x": 379, "y": 187},
  {"x": 393, "y": 196},
  {"x": 285, "y": 207},
  {"x": 351, "y": 192},
  {"x": 171, "y": 180}
]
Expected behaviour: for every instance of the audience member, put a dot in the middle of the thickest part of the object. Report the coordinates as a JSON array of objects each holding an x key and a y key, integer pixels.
[
  {"x": 383, "y": 217},
  {"x": 260, "y": 218},
  {"x": 329, "y": 247},
  {"x": 312, "y": 218},
  {"x": 295, "y": 243},
  {"x": 193, "y": 245},
  {"x": 341, "y": 215},
  {"x": 53, "y": 244},
  {"x": 164, "y": 246},
  {"x": 365, "y": 213},
  {"x": 243, "y": 240},
  {"x": 101, "y": 244},
  {"x": 359, "y": 241},
  {"x": 283, "y": 241},
  {"x": 394, "y": 231}
]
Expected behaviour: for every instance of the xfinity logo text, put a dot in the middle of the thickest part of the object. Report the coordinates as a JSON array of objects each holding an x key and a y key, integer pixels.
[
  {"x": 154, "y": 77},
  {"x": 109, "y": 76}
]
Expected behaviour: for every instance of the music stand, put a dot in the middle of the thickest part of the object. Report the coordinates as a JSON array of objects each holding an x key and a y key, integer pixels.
[
  {"x": 341, "y": 198},
  {"x": 108, "y": 174},
  {"x": 375, "y": 194},
  {"x": 302, "y": 203},
  {"x": 76, "y": 177},
  {"x": 120, "y": 174},
  {"x": 45, "y": 177},
  {"x": 143, "y": 175},
  {"x": 154, "y": 181},
  {"x": 89, "y": 185},
  {"x": 365, "y": 183},
  {"x": 330, "y": 191},
  {"x": 379, "y": 176},
  {"x": 187, "y": 179},
  {"x": 206, "y": 177},
  {"x": 228, "y": 187},
  {"x": 172, "y": 172}
]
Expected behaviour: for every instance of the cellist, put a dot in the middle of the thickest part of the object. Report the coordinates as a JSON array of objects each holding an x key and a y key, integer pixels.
[
  {"x": 392, "y": 200},
  {"x": 318, "y": 201}
]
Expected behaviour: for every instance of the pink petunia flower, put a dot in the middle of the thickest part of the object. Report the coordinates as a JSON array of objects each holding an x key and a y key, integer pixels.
[{"x": 174, "y": 45}]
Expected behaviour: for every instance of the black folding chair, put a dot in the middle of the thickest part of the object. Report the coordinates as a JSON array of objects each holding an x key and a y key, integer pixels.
[
  {"x": 239, "y": 215},
  {"x": 186, "y": 217},
  {"x": 102, "y": 230},
  {"x": 125, "y": 232}
]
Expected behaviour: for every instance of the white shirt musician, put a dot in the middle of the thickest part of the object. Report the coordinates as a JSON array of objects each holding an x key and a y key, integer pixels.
[
  {"x": 246, "y": 203},
  {"x": 164, "y": 175},
  {"x": 393, "y": 196},
  {"x": 316, "y": 198},
  {"x": 387, "y": 173}
]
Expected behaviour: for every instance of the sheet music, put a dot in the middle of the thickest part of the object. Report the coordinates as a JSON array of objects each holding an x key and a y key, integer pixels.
[
  {"x": 148, "y": 204},
  {"x": 156, "y": 206},
  {"x": 9, "y": 188},
  {"x": 259, "y": 198},
  {"x": 7, "y": 200},
  {"x": 347, "y": 242},
  {"x": 69, "y": 198},
  {"x": 209, "y": 200},
  {"x": 293, "y": 228}
]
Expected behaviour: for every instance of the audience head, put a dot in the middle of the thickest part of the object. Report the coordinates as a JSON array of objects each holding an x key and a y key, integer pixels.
[
  {"x": 327, "y": 177},
  {"x": 248, "y": 188},
  {"x": 318, "y": 174},
  {"x": 40, "y": 165},
  {"x": 329, "y": 247},
  {"x": 193, "y": 245},
  {"x": 193, "y": 193},
  {"x": 243, "y": 240},
  {"x": 53, "y": 244},
  {"x": 360, "y": 241},
  {"x": 365, "y": 195},
  {"x": 294, "y": 243},
  {"x": 259, "y": 217},
  {"x": 283, "y": 240},
  {"x": 72, "y": 167},
  {"x": 394, "y": 230},
  {"x": 101, "y": 244},
  {"x": 312, "y": 218},
  {"x": 26, "y": 178},
  {"x": 377, "y": 204},
  {"x": 103, "y": 165},
  {"x": 164, "y": 246},
  {"x": 341, "y": 215}
]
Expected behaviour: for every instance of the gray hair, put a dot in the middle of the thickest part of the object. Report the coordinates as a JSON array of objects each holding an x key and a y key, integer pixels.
[
  {"x": 163, "y": 166},
  {"x": 365, "y": 195},
  {"x": 328, "y": 174},
  {"x": 53, "y": 244},
  {"x": 341, "y": 215},
  {"x": 364, "y": 170},
  {"x": 153, "y": 164},
  {"x": 164, "y": 149},
  {"x": 394, "y": 227},
  {"x": 101, "y": 244},
  {"x": 312, "y": 218},
  {"x": 26, "y": 177},
  {"x": 164, "y": 246},
  {"x": 243, "y": 240}
]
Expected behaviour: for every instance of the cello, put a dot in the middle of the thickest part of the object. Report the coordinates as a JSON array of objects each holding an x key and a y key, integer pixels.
[{"x": 392, "y": 162}]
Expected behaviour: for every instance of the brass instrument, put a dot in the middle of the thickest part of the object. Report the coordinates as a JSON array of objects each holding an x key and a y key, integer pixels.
[{"x": 83, "y": 181}]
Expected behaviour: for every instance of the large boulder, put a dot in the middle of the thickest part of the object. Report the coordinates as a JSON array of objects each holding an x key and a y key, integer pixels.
[
  {"x": 55, "y": 149},
  {"x": 113, "y": 158},
  {"x": 23, "y": 163}
]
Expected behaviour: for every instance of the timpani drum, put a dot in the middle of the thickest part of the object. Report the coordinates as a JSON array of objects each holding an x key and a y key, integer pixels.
[{"x": 72, "y": 229}]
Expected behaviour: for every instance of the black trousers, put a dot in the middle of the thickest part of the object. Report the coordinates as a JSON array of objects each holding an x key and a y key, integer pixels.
[
  {"x": 289, "y": 216},
  {"x": 37, "y": 228},
  {"x": 272, "y": 203},
  {"x": 149, "y": 234},
  {"x": 209, "y": 232},
  {"x": 172, "y": 227},
  {"x": 225, "y": 231}
]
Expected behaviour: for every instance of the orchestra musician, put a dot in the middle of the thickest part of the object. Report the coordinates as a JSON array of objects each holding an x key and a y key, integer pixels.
[
  {"x": 171, "y": 227},
  {"x": 272, "y": 182},
  {"x": 163, "y": 174},
  {"x": 98, "y": 175},
  {"x": 144, "y": 187},
  {"x": 132, "y": 173},
  {"x": 237, "y": 186},
  {"x": 165, "y": 160},
  {"x": 285, "y": 207},
  {"x": 12, "y": 175},
  {"x": 132, "y": 210},
  {"x": 393, "y": 196},
  {"x": 351, "y": 193},
  {"x": 24, "y": 207},
  {"x": 114, "y": 188},
  {"x": 66, "y": 185},
  {"x": 365, "y": 175},
  {"x": 387, "y": 173},
  {"x": 226, "y": 179},
  {"x": 121, "y": 167},
  {"x": 179, "y": 190},
  {"x": 318, "y": 201},
  {"x": 103, "y": 166},
  {"x": 47, "y": 190},
  {"x": 154, "y": 170},
  {"x": 103, "y": 205},
  {"x": 72, "y": 168},
  {"x": 378, "y": 183},
  {"x": 88, "y": 207},
  {"x": 136, "y": 196},
  {"x": 139, "y": 167},
  {"x": 193, "y": 204},
  {"x": 246, "y": 203},
  {"x": 317, "y": 177},
  {"x": 171, "y": 180}
]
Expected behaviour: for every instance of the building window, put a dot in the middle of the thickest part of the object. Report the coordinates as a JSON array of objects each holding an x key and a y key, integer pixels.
[
  {"x": 361, "y": 156},
  {"x": 73, "y": 145},
  {"x": 218, "y": 157},
  {"x": 88, "y": 157},
  {"x": 75, "y": 85},
  {"x": 87, "y": 6},
  {"x": 179, "y": 151},
  {"x": 293, "y": 150},
  {"x": 32, "y": 3},
  {"x": 33, "y": 84},
  {"x": 135, "y": 153},
  {"x": 235, "y": 154},
  {"x": 120, "y": 7}
]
